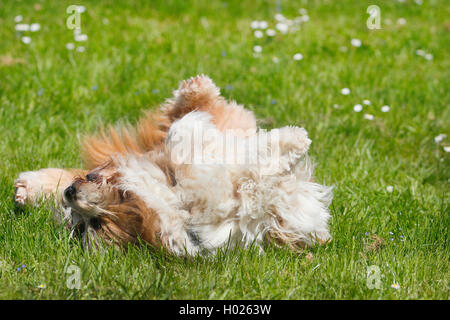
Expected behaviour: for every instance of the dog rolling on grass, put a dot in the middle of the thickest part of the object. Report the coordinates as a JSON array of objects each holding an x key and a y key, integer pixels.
[{"x": 174, "y": 181}]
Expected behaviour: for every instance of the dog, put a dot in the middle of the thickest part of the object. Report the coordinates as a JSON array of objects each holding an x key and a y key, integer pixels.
[{"x": 173, "y": 181}]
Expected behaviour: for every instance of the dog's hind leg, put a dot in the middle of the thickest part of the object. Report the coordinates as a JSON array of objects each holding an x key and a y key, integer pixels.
[
  {"x": 201, "y": 94},
  {"x": 293, "y": 144},
  {"x": 33, "y": 186}
]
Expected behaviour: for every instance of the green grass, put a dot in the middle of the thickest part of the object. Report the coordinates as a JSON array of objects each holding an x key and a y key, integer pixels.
[{"x": 135, "y": 56}]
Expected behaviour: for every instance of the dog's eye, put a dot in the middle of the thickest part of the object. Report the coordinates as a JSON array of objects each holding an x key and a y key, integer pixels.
[
  {"x": 95, "y": 223},
  {"x": 91, "y": 177}
]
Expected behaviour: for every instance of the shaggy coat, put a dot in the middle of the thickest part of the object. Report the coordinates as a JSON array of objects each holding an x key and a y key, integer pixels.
[{"x": 193, "y": 177}]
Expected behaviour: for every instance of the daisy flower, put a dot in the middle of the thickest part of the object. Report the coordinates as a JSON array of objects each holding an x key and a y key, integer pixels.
[
  {"x": 345, "y": 91},
  {"x": 271, "y": 32},
  {"x": 254, "y": 24},
  {"x": 440, "y": 137},
  {"x": 420, "y": 52},
  {"x": 258, "y": 34},
  {"x": 80, "y": 37},
  {"x": 395, "y": 286},
  {"x": 385, "y": 109},
  {"x": 26, "y": 40},
  {"x": 357, "y": 108},
  {"x": 81, "y": 9},
  {"x": 282, "y": 27},
  {"x": 279, "y": 17},
  {"x": 401, "y": 21},
  {"x": 263, "y": 24},
  {"x": 356, "y": 43},
  {"x": 298, "y": 57},
  {"x": 257, "y": 49},
  {"x": 35, "y": 27},
  {"x": 22, "y": 27}
]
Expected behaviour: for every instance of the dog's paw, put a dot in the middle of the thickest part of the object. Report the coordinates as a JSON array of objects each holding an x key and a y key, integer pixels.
[
  {"x": 197, "y": 89},
  {"x": 294, "y": 141},
  {"x": 28, "y": 188}
]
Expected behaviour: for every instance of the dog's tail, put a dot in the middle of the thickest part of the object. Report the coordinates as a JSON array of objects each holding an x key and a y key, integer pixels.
[{"x": 148, "y": 135}]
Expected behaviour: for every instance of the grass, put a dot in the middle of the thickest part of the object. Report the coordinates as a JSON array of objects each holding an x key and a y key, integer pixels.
[{"x": 135, "y": 56}]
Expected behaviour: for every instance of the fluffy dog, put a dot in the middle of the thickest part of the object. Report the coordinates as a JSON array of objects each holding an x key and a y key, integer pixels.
[{"x": 193, "y": 177}]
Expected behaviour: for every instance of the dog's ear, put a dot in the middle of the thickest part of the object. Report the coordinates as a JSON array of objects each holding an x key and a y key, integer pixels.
[{"x": 131, "y": 219}]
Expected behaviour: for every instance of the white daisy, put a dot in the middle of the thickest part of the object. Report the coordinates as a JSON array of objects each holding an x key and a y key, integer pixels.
[
  {"x": 395, "y": 286},
  {"x": 70, "y": 46},
  {"x": 345, "y": 91},
  {"x": 305, "y": 18},
  {"x": 390, "y": 189},
  {"x": 356, "y": 42},
  {"x": 81, "y": 49},
  {"x": 81, "y": 9},
  {"x": 440, "y": 137},
  {"x": 275, "y": 59},
  {"x": 80, "y": 37},
  {"x": 22, "y": 27},
  {"x": 18, "y": 18},
  {"x": 279, "y": 17},
  {"x": 258, "y": 34},
  {"x": 368, "y": 116},
  {"x": 263, "y": 24},
  {"x": 401, "y": 21},
  {"x": 385, "y": 109},
  {"x": 420, "y": 52},
  {"x": 298, "y": 57},
  {"x": 257, "y": 49},
  {"x": 35, "y": 27},
  {"x": 254, "y": 24},
  {"x": 428, "y": 56},
  {"x": 366, "y": 102},
  {"x": 271, "y": 32},
  {"x": 26, "y": 40},
  {"x": 357, "y": 108},
  {"x": 447, "y": 148},
  {"x": 282, "y": 27}
]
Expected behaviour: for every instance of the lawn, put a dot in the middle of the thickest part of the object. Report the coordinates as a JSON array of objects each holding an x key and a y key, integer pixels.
[{"x": 390, "y": 170}]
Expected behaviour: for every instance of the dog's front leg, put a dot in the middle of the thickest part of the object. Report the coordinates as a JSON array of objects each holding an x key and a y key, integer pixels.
[{"x": 33, "y": 186}]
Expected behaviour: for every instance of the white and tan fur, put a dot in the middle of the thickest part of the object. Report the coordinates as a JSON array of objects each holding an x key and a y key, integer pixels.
[{"x": 139, "y": 189}]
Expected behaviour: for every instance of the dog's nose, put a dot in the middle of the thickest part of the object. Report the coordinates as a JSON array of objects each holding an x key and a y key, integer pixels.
[{"x": 70, "y": 192}]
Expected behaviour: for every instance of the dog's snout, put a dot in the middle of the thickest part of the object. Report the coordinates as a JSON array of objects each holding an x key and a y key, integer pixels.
[{"x": 70, "y": 192}]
